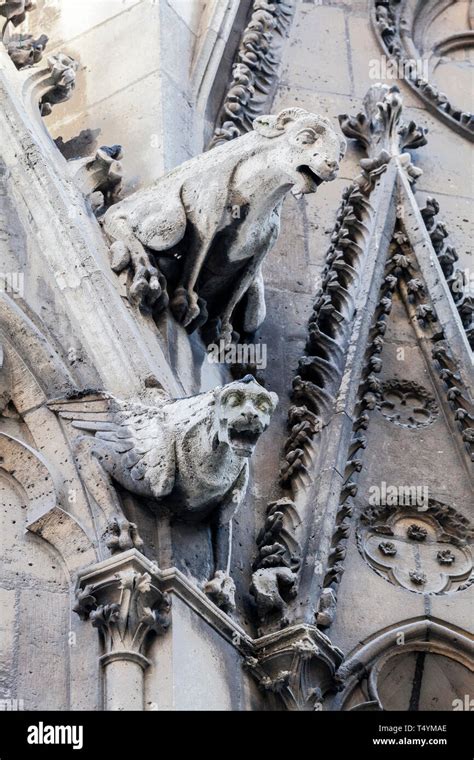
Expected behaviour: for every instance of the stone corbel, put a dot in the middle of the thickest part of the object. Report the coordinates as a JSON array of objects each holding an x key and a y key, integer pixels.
[
  {"x": 122, "y": 598},
  {"x": 295, "y": 667}
]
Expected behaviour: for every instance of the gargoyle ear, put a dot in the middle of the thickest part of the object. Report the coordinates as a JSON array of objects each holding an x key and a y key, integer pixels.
[
  {"x": 267, "y": 126},
  {"x": 274, "y": 399}
]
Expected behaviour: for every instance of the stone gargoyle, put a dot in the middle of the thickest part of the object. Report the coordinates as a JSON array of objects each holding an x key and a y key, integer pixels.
[
  {"x": 199, "y": 234},
  {"x": 189, "y": 455}
]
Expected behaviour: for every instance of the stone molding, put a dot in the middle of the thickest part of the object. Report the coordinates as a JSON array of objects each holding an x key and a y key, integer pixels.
[
  {"x": 337, "y": 383},
  {"x": 46, "y": 516},
  {"x": 396, "y": 24},
  {"x": 366, "y": 661},
  {"x": 254, "y": 70},
  {"x": 447, "y": 256}
]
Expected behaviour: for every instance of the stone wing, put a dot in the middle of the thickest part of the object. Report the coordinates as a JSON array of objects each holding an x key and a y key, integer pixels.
[{"x": 134, "y": 431}]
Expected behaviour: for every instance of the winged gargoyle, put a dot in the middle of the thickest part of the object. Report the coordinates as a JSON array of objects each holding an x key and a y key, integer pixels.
[{"x": 189, "y": 454}]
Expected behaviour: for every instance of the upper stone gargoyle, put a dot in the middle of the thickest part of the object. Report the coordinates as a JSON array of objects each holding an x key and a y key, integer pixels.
[
  {"x": 189, "y": 455},
  {"x": 201, "y": 231}
]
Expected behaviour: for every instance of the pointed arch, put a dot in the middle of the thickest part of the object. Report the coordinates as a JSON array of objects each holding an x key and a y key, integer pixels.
[
  {"x": 46, "y": 516},
  {"x": 426, "y": 634},
  {"x": 22, "y": 338}
]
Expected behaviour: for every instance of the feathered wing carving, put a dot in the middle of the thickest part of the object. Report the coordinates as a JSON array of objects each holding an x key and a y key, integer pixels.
[
  {"x": 132, "y": 434},
  {"x": 123, "y": 442},
  {"x": 190, "y": 454}
]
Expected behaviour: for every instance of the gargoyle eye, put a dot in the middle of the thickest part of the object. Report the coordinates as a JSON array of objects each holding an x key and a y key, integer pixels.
[
  {"x": 233, "y": 399},
  {"x": 263, "y": 404}
]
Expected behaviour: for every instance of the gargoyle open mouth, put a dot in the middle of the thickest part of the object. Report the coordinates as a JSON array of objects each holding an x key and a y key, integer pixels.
[
  {"x": 243, "y": 439},
  {"x": 312, "y": 180}
]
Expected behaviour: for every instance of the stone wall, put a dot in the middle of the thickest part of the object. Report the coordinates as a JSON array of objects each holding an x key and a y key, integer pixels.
[{"x": 152, "y": 77}]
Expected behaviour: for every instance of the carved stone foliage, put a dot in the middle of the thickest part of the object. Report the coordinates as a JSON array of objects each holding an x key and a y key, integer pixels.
[
  {"x": 58, "y": 83},
  {"x": 423, "y": 549},
  {"x": 14, "y": 11},
  {"x": 422, "y": 311},
  {"x": 99, "y": 176},
  {"x": 125, "y": 606},
  {"x": 380, "y": 129},
  {"x": 369, "y": 392},
  {"x": 295, "y": 668},
  {"x": 447, "y": 256},
  {"x": 189, "y": 455},
  {"x": 330, "y": 330},
  {"x": 320, "y": 370},
  {"x": 198, "y": 237},
  {"x": 274, "y": 580},
  {"x": 25, "y": 50},
  {"x": 395, "y": 23},
  {"x": 407, "y": 403},
  {"x": 254, "y": 69},
  {"x": 457, "y": 395}
]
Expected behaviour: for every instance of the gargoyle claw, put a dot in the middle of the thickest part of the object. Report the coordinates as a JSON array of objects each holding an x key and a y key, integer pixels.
[
  {"x": 226, "y": 333},
  {"x": 184, "y": 306},
  {"x": 221, "y": 589},
  {"x": 122, "y": 535},
  {"x": 148, "y": 287}
]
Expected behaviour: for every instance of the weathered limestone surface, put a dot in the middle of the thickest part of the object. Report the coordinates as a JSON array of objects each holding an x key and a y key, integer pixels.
[
  {"x": 373, "y": 392},
  {"x": 181, "y": 46}
]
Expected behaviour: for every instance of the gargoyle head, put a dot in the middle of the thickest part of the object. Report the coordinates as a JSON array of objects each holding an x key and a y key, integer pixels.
[
  {"x": 309, "y": 150},
  {"x": 244, "y": 409}
]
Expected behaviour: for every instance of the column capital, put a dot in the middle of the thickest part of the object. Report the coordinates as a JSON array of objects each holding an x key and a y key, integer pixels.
[
  {"x": 124, "y": 601},
  {"x": 296, "y": 665}
]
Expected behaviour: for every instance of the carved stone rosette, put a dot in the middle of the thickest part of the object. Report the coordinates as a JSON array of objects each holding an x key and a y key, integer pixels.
[{"x": 393, "y": 538}]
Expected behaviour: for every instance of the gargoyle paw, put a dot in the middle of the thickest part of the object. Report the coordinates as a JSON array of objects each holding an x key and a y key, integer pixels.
[
  {"x": 221, "y": 589},
  {"x": 226, "y": 333},
  {"x": 148, "y": 286},
  {"x": 184, "y": 306},
  {"x": 122, "y": 535}
]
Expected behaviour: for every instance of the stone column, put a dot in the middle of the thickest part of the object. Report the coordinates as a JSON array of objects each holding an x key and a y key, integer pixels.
[{"x": 122, "y": 599}]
